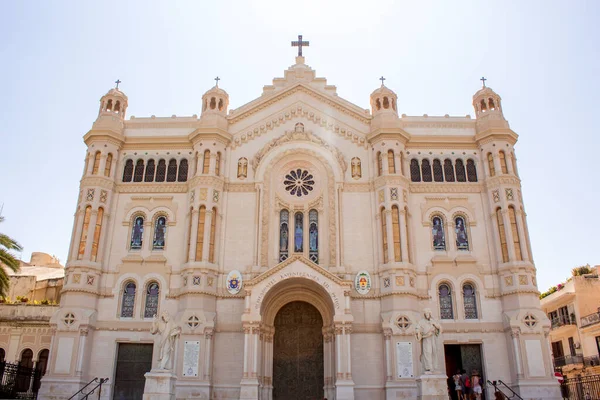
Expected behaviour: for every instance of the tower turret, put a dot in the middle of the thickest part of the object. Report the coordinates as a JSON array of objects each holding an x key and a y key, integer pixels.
[
  {"x": 488, "y": 108},
  {"x": 215, "y": 100},
  {"x": 383, "y": 100},
  {"x": 113, "y": 103}
]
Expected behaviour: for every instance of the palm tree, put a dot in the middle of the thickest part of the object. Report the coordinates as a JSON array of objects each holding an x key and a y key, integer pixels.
[{"x": 7, "y": 259}]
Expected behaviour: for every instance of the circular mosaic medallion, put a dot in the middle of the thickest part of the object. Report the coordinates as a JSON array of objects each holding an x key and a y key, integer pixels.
[{"x": 299, "y": 182}]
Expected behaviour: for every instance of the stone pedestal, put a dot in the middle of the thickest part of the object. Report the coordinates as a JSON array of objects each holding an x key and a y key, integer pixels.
[
  {"x": 160, "y": 385},
  {"x": 249, "y": 389},
  {"x": 344, "y": 389},
  {"x": 432, "y": 387}
]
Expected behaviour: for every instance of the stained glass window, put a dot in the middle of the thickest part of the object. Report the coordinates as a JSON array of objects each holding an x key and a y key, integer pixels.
[
  {"x": 152, "y": 291},
  {"x": 298, "y": 232},
  {"x": 415, "y": 171},
  {"x": 161, "y": 171},
  {"x": 299, "y": 182},
  {"x": 150, "y": 167},
  {"x": 200, "y": 233},
  {"x": 183, "y": 171},
  {"x": 84, "y": 232},
  {"x": 108, "y": 165},
  {"x": 96, "y": 163},
  {"x": 313, "y": 236},
  {"x": 379, "y": 164},
  {"x": 460, "y": 228},
  {"x": 128, "y": 171},
  {"x": 97, "y": 232},
  {"x": 160, "y": 232},
  {"x": 448, "y": 170},
  {"x": 445, "y": 296},
  {"x": 470, "y": 301},
  {"x": 502, "y": 234},
  {"x": 490, "y": 158},
  {"x": 137, "y": 233},
  {"x": 515, "y": 233},
  {"x": 128, "y": 301},
  {"x": 396, "y": 233},
  {"x": 284, "y": 234},
  {"x": 503, "y": 166},
  {"x": 391, "y": 162},
  {"x": 460, "y": 171},
  {"x": 218, "y": 164},
  {"x": 138, "y": 174},
  {"x": 471, "y": 170},
  {"x": 437, "y": 231},
  {"x": 426, "y": 170},
  {"x": 384, "y": 240},
  {"x": 206, "y": 162},
  {"x": 438, "y": 174},
  {"x": 213, "y": 234},
  {"x": 172, "y": 170}
]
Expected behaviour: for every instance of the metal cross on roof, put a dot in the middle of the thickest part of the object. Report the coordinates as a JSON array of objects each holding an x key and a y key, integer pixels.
[
  {"x": 382, "y": 79},
  {"x": 117, "y": 82},
  {"x": 217, "y": 79},
  {"x": 299, "y": 43},
  {"x": 483, "y": 80}
]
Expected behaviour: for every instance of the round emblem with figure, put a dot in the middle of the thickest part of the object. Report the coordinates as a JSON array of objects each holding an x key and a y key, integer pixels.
[
  {"x": 234, "y": 282},
  {"x": 362, "y": 282}
]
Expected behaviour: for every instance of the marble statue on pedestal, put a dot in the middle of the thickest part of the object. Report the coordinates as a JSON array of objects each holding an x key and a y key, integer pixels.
[
  {"x": 427, "y": 332},
  {"x": 168, "y": 331}
]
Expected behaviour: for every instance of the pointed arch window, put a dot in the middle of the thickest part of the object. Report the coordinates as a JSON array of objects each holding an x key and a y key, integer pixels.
[
  {"x": 138, "y": 174},
  {"x": 379, "y": 164},
  {"x": 391, "y": 162},
  {"x": 426, "y": 170},
  {"x": 97, "y": 233},
  {"x": 490, "y": 159},
  {"x": 470, "y": 301},
  {"x": 503, "y": 165},
  {"x": 438, "y": 234},
  {"x": 128, "y": 171},
  {"x": 160, "y": 233},
  {"x": 502, "y": 235},
  {"x": 213, "y": 233},
  {"x": 172, "y": 170},
  {"x": 151, "y": 306},
  {"x": 396, "y": 233},
  {"x": 384, "y": 240},
  {"x": 471, "y": 170},
  {"x": 108, "y": 165},
  {"x": 445, "y": 296},
  {"x": 200, "y": 233},
  {"x": 460, "y": 228},
  {"x": 313, "y": 236},
  {"x": 206, "y": 162},
  {"x": 161, "y": 171},
  {"x": 415, "y": 171},
  {"x": 298, "y": 232},
  {"x": 96, "y": 166},
  {"x": 128, "y": 300},
  {"x": 182, "y": 174},
  {"x": 448, "y": 170},
  {"x": 137, "y": 233},
  {"x": 460, "y": 171},
  {"x": 84, "y": 232},
  {"x": 150, "y": 168},
  {"x": 218, "y": 163},
  {"x": 438, "y": 173},
  {"x": 515, "y": 232},
  {"x": 284, "y": 235}
]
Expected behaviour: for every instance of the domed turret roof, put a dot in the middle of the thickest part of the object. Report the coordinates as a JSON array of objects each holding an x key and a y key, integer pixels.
[
  {"x": 383, "y": 90},
  {"x": 215, "y": 90},
  {"x": 484, "y": 91}
]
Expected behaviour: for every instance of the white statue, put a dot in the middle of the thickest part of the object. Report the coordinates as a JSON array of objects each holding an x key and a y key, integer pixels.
[
  {"x": 168, "y": 331},
  {"x": 427, "y": 332}
]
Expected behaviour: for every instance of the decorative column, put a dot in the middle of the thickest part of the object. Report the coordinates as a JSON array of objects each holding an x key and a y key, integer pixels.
[
  {"x": 387, "y": 334},
  {"x": 81, "y": 351},
  {"x": 497, "y": 165},
  {"x": 193, "y": 234},
  {"x": 79, "y": 215},
  {"x": 249, "y": 384},
  {"x": 90, "y": 164},
  {"x": 207, "y": 225},
  {"x": 403, "y": 235},
  {"x": 390, "y": 235},
  {"x": 384, "y": 163},
  {"x": 102, "y": 165},
  {"x": 515, "y": 333},
  {"x": 510, "y": 242},
  {"x": 344, "y": 386},
  {"x": 208, "y": 334},
  {"x": 90, "y": 233},
  {"x": 247, "y": 331},
  {"x": 496, "y": 238},
  {"x": 522, "y": 239}
]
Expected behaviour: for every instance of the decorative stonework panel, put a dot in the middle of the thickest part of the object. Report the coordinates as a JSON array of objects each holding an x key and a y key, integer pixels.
[
  {"x": 386, "y": 282},
  {"x": 496, "y": 196},
  {"x": 412, "y": 282},
  {"x": 509, "y": 194},
  {"x": 523, "y": 280},
  {"x": 103, "y": 196},
  {"x": 399, "y": 281},
  {"x": 196, "y": 281},
  {"x": 210, "y": 281},
  {"x": 203, "y": 193},
  {"x": 215, "y": 196},
  {"x": 90, "y": 279},
  {"x": 381, "y": 196},
  {"x": 508, "y": 280},
  {"x": 90, "y": 195},
  {"x": 394, "y": 193},
  {"x": 76, "y": 278}
]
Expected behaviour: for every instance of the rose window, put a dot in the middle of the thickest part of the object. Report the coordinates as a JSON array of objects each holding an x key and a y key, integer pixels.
[{"x": 299, "y": 182}]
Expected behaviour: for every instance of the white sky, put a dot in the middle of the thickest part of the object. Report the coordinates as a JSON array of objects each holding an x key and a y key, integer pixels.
[{"x": 59, "y": 58}]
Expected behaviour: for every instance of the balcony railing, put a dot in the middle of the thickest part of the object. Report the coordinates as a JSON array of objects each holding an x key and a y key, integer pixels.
[
  {"x": 563, "y": 320},
  {"x": 592, "y": 361},
  {"x": 567, "y": 360},
  {"x": 590, "y": 319}
]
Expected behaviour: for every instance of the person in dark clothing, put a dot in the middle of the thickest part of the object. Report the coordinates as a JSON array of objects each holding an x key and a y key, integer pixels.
[{"x": 465, "y": 382}]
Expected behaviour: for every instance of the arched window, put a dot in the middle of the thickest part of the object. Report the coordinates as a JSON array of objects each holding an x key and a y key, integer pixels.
[
  {"x": 396, "y": 233},
  {"x": 503, "y": 166},
  {"x": 26, "y": 359},
  {"x": 117, "y": 106},
  {"x": 471, "y": 170},
  {"x": 491, "y": 104},
  {"x": 426, "y": 170},
  {"x": 448, "y": 170},
  {"x": 379, "y": 164},
  {"x": 84, "y": 232},
  {"x": 172, "y": 170},
  {"x": 415, "y": 171},
  {"x": 386, "y": 102},
  {"x": 298, "y": 232},
  {"x": 438, "y": 173},
  {"x": 384, "y": 240},
  {"x": 313, "y": 236},
  {"x": 182, "y": 174},
  {"x": 200, "y": 233},
  {"x": 128, "y": 300},
  {"x": 391, "y": 162},
  {"x": 128, "y": 171},
  {"x": 460, "y": 228},
  {"x": 151, "y": 306},
  {"x": 218, "y": 164},
  {"x": 437, "y": 231},
  {"x": 161, "y": 171},
  {"x": 41, "y": 367},
  {"x": 109, "y": 105},
  {"x": 490, "y": 159},
  {"x": 460, "y": 171},
  {"x": 150, "y": 167},
  {"x": 206, "y": 162},
  {"x": 2, "y": 355},
  {"x": 96, "y": 166},
  {"x": 138, "y": 175},
  {"x": 284, "y": 235},
  {"x": 108, "y": 165},
  {"x": 213, "y": 233},
  {"x": 242, "y": 171},
  {"x": 445, "y": 295},
  {"x": 514, "y": 164},
  {"x": 483, "y": 105},
  {"x": 502, "y": 235},
  {"x": 97, "y": 232},
  {"x": 137, "y": 233},
  {"x": 22, "y": 382},
  {"x": 160, "y": 233},
  {"x": 470, "y": 301},
  {"x": 515, "y": 232}
]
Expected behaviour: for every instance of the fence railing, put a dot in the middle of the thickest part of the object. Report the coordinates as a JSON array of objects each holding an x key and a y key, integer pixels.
[
  {"x": 85, "y": 392},
  {"x": 590, "y": 319},
  {"x": 581, "y": 388},
  {"x": 567, "y": 360},
  {"x": 503, "y": 388},
  {"x": 593, "y": 361},
  {"x": 563, "y": 320},
  {"x": 17, "y": 382}
]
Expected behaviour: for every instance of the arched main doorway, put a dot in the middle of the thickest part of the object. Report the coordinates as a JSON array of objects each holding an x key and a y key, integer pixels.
[{"x": 298, "y": 353}]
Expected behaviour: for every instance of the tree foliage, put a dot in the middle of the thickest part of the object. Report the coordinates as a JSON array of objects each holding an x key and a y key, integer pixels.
[
  {"x": 583, "y": 270},
  {"x": 7, "y": 259}
]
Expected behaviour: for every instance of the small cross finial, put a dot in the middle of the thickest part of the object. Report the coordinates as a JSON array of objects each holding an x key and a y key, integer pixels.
[
  {"x": 217, "y": 79},
  {"x": 299, "y": 43},
  {"x": 117, "y": 82},
  {"x": 382, "y": 79},
  {"x": 483, "y": 80}
]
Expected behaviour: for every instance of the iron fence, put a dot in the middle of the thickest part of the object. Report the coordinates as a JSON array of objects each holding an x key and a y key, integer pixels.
[
  {"x": 581, "y": 388},
  {"x": 17, "y": 382}
]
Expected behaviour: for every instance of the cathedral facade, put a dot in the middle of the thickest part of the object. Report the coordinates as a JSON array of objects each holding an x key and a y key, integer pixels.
[{"x": 295, "y": 242}]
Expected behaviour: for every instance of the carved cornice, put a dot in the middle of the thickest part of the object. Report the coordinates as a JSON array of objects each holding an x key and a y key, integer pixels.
[
  {"x": 152, "y": 187},
  {"x": 390, "y": 180},
  {"x": 207, "y": 180},
  {"x": 357, "y": 187},
  {"x": 446, "y": 187},
  {"x": 496, "y": 181},
  {"x": 157, "y": 142},
  {"x": 240, "y": 187},
  {"x": 95, "y": 180},
  {"x": 489, "y": 135}
]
